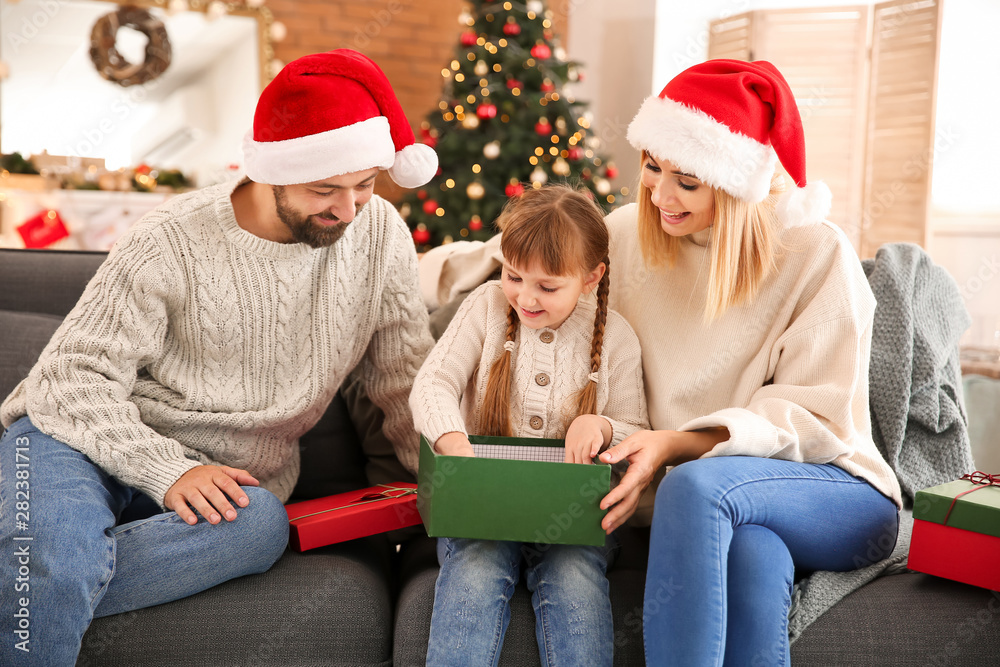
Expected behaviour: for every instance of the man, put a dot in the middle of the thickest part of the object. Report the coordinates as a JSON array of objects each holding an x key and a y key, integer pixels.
[{"x": 212, "y": 338}]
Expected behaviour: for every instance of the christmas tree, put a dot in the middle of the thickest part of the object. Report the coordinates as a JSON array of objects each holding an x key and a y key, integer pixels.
[{"x": 504, "y": 123}]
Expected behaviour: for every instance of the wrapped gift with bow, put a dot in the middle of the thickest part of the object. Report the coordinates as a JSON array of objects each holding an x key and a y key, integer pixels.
[
  {"x": 956, "y": 531},
  {"x": 348, "y": 516}
]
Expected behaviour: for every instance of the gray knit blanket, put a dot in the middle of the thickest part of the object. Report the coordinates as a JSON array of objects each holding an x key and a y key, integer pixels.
[{"x": 915, "y": 396}]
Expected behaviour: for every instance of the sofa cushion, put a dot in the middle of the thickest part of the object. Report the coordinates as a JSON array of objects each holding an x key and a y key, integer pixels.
[
  {"x": 45, "y": 281},
  {"x": 330, "y": 606},
  {"x": 418, "y": 568},
  {"x": 25, "y": 336},
  {"x": 905, "y": 619}
]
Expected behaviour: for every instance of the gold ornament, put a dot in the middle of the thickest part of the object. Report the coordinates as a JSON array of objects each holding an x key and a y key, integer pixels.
[
  {"x": 492, "y": 150},
  {"x": 561, "y": 167},
  {"x": 538, "y": 175},
  {"x": 481, "y": 68},
  {"x": 475, "y": 190},
  {"x": 602, "y": 185},
  {"x": 470, "y": 122}
]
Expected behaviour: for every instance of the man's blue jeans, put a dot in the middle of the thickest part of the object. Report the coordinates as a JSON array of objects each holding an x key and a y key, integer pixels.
[
  {"x": 67, "y": 559},
  {"x": 728, "y": 535},
  {"x": 569, "y": 592}
]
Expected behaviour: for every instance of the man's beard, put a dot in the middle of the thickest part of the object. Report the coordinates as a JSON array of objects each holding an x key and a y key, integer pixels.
[{"x": 302, "y": 227}]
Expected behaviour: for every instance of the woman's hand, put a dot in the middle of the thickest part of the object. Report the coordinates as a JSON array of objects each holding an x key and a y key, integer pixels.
[
  {"x": 454, "y": 443},
  {"x": 647, "y": 452},
  {"x": 586, "y": 437}
]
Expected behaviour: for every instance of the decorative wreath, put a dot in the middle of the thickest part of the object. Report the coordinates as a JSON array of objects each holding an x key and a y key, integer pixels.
[{"x": 110, "y": 63}]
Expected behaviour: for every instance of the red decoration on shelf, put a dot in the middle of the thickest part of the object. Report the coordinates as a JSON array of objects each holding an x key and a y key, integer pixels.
[
  {"x": 548, "y": 86},
  {"x": 512, "y": 29},
  {"x": 430, "y": 206},
  {"x": 486, "y": 111},
  {"x": 543, "y": 127},
  {"x": 514, "y": 83},
  {"x": 475, "y": 224},
  {"x": 42, "y": 230},
  {"x": 421, "y": 236},
  {"x": 574, "y": 152},
  {"x": 612, "y": 171},
  {"x": 469, "y": 38},
  {"x": 514, "y": 190},
  {"x": 541, "y": 51}
]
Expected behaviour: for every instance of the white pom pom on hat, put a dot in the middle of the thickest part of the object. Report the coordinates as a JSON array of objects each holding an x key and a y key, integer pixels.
[
  {"x": 727, "y": 122},
  {"x": 329, "y": 114}
]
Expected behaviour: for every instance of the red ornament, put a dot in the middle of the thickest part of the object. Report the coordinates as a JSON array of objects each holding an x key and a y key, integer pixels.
[
  {"x": 475, "y": 224},
  {"x": 421, "y": 236},
  {"x": 612, "y": 171},
  {"x": 512, "y": 29},
  {"x": 486, "y": 111},
  {"x": 543, "y": 127},
  {"x": 547, "y": 34},
  {"x": 514, "y": 83},
  {"x": 548, "y": 86},
  {"x": 514, "y": 190},
  {"x": 430, "y": 206},
  {"x": 541, "y": 51},
  {"x": 574, "y": 153},
  {"x": 143, "y": 169},
  {"x": 579, "y": 76},
  {"x": 421, "y": 194},
  {"x": 469, "y": 38}
]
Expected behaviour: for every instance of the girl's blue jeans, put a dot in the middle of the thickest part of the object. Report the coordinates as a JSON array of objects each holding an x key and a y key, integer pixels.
[
  {"x": 730, "y": 533},
  {"x": 76, "y": 544},
  {"x": 569, "y": 593}
]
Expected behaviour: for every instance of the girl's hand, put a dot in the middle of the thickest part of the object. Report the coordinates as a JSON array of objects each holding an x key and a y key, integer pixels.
[
  {"x": 454, "y": 443},
  {"x": 586, "y": 437},
  {"x": 647, "y": 452}
]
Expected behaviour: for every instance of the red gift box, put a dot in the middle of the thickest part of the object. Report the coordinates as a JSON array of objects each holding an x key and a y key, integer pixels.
[
  {"x": 348, "y": 516},
  {"x": 956, "y": 531},
  {"x": 42, "y": 230}
]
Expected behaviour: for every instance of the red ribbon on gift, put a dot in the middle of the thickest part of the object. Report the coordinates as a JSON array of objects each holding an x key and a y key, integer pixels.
[
  {"x": 982, "y": 479},
  {"x": 367, "y": 498}
]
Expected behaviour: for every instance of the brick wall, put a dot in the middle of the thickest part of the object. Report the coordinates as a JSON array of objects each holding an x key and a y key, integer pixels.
[{"x": 411, "y": 40}]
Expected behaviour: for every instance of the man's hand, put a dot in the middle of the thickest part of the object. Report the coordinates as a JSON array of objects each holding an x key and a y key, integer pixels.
[
  {"x": 586, "y": 437},
  {"x": 205, "y": 489},
  {"x": 454, "y": 443}
]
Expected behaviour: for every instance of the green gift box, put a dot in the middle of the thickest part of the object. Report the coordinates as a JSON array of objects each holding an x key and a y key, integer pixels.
[
  {"x": 972, "y": 508},
  {"x": 518, "y": 500}
]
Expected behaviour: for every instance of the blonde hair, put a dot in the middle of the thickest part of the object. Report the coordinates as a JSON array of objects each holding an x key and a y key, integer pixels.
[
  {"x": 562, "y": 231},
  {"x": 743, "y": 243}
]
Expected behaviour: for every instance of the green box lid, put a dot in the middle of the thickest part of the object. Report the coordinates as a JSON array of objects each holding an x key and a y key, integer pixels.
[
  {"x": 511, "y": 500},
  {"x": 978, "y": 511}
]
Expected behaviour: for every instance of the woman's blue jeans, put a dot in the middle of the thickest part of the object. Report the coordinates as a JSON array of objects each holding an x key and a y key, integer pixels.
[
  {"x": 67, "y": 559},
  {"x": 569, "y": 592},
  {"x": 729, "y": 534}
]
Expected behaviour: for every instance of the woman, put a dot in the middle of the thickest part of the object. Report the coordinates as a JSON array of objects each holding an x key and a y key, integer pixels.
[{"x": 755, "y": 322}]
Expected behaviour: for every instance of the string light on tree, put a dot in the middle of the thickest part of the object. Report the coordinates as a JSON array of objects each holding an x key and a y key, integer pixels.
[
  {"x": 475, "y": 190},
  {"x": 492, "y": 150}
]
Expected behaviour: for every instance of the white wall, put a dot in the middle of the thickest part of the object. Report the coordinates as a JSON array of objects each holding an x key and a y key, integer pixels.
[{"x": 614, "y": 43}]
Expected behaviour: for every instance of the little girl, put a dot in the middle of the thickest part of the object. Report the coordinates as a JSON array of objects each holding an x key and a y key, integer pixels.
[{"x": 532, "y": 356}]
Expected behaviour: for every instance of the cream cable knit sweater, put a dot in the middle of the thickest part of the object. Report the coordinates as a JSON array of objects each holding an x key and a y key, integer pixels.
[
  {"x": 200, "y": 343},
  {"x": 550, "y": 367},
  {"x": 787, "y": 374}
]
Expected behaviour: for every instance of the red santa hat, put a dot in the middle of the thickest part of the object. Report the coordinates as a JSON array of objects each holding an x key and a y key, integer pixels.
[
  {"x": 329, "y": 114},
  {"x": 726, "y": 122}
]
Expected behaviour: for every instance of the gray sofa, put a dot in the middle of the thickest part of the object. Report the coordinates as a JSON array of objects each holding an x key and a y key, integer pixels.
[{"x": 368, "y": 602}]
